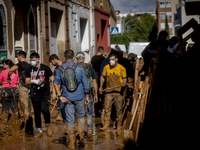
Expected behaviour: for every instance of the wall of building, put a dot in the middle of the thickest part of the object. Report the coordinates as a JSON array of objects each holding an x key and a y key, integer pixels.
[
  {"x": 82, "y": 40},
  {"x": 113, "y": 17},
  {"x": 56, "y": 35},
  {"x": 103, "y": 4},
  {"x": 18, "y": 27},
  {"x": 101, "y": 29},
  {"x": 57, "y": 25}
]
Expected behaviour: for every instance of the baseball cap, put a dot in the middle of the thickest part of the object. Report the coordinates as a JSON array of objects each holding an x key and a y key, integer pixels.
[{"x": 80, "y": 54}]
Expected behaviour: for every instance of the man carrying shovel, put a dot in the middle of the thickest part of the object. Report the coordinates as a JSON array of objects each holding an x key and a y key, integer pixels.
[
  {"x": 115, "y": 79},
  {"x": 25, "y": 103}
]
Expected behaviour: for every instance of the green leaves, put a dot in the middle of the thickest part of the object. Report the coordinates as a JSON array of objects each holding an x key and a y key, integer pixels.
[
  {"x": 166, "y": 27},
  {"x": 138, "y": 29}
]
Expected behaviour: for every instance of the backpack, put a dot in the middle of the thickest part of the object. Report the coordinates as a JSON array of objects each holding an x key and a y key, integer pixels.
[
  {"x": 88, "y": 74},
  {"x": 70, "y": 77}
]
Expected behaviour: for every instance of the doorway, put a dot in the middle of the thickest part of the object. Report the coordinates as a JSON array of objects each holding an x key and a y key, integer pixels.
[
  {"x": 53, "y": 38},
  {"x": 84, "y": 34}
]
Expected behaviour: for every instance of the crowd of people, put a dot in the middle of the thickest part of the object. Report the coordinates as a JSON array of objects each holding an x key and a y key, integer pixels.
[{"x": 78, "y": 87}]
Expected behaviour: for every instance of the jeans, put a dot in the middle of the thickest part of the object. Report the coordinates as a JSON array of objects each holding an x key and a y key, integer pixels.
[
  {"x": 70, "y": 109},
  {"x": 41, "y": 104},
  {"x": 61, "y": 108},
  {"x": 89, "y": 112}
]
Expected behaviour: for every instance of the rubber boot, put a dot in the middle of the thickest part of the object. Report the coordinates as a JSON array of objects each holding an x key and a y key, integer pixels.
[
  {"x": 90, "y": 136},
  {"x": 59, "y": 117},
  {"x": 106, "y": 127},
  {"x": 25, "y": 117},
  {"x": 119, "y": 128},
  {"x": 49, "y": 129},
  {"x": 4, "y": 118},
  {"x": 80, "y": 135},
  {"x": 71, "y": 139},
  {"x": 39, "y": 134},
  {"x": 64, "y": 127}
]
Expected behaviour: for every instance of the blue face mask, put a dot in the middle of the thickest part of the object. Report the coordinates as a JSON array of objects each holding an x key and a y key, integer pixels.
[
  {"x": 33, "y": 63},
  {"x": 4, "y": 67}
]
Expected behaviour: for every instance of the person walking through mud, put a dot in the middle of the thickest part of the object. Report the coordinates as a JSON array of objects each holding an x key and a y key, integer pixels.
[
  {"x": 38, "y": 76},
  {"x": 24, "y": 100},
  {"x": 115, "y": 75},
  {"x": 93, "y": 96},
  {"x": 75, "y": 95},
  {"x": 6, "y": 94},
  {"x": 96, "y": 64},
  {"x": 54, "y": 60}
]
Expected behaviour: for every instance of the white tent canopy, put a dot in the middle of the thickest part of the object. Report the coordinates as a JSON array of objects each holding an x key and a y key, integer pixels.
[
  {"x": 121, "y": 46},
  {"x": 137, "y": 47}
]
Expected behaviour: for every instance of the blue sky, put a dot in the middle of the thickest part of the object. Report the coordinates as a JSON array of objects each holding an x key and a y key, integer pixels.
[{"x": 143, "y": 5}]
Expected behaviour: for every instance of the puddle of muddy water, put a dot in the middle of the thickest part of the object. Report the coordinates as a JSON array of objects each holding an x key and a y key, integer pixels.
[{"x": 102, "y": 140}]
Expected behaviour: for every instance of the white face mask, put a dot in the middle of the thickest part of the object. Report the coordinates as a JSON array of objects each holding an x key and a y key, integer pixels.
[
  {"x": 112, "y": 62},
  {"x": 33, "y": 63}
]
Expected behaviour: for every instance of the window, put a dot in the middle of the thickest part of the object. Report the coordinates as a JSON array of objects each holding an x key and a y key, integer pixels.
[
  {"x": 163, "y": 26},
  {"x": 162, "y": 4},
  {"x": 32, "y": 37},
  {"x": 169, "y": 15},
  {"x": 3, "y": 34},
  {"x": 75, "y": 28},
  {"x": 170, "y": 25},
  {"x": 168, "y": 4},
  {"x": 162, "y": 15}
]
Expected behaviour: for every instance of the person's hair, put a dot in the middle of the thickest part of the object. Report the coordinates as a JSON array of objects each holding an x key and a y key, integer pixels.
[
  {"x": 125, "y": 54},
  {"x": 100, "y": 49},
  {"x": 8, "y": 62},
  {"x": 175, "y": 39},
  {"x": 114, "y": 53},
  {"x": 52, "y": 57},
  {"x": 34, "y": 55},
  {"x": 22, "y": 54},
  {"x": 131, "y": 55},
  {"x": 163, "y": 33},
  {"x": 69, "y": 54}
]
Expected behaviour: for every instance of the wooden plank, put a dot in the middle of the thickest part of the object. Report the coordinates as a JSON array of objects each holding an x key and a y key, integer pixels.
[
  {"x": 135, "y": 95},
  {"x": 189, "y": 36},
  {"x": 146, "y": 97}
]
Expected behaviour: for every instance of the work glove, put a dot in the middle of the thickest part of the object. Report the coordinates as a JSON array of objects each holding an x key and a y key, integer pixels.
[{"x": 34, "y": 81}]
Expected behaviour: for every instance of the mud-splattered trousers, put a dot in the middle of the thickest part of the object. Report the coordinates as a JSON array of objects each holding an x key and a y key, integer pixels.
[
  {"x": 70, "y": 109},
  {"x": 41, "y": 104},
  {"x": 109, "y": 97},
  {"x": 8, "y": 100},
  {"x": 89, "y": 112},
  {"x": 24, "y": 100}
]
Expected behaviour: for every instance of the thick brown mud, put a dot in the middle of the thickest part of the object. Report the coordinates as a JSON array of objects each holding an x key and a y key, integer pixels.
[{"x": 101, "y": 140}]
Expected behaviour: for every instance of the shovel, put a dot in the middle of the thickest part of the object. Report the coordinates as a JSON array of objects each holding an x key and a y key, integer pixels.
[{"x": 16, "y": 124}]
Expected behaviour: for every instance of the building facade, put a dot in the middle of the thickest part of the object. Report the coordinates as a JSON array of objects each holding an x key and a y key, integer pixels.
[
  {"x": 166, "y": 8},
  {"x": 19, "y": 28},
  {"x": 52, "y": 26}
]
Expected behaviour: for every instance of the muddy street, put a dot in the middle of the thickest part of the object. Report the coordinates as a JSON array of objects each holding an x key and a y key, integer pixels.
[{"x": 102, "y": 140}]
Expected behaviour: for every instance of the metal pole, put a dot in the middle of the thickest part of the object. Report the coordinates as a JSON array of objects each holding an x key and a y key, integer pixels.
[{"x": 125, "y": 17}]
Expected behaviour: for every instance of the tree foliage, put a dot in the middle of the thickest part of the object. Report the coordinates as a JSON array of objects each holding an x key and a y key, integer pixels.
[
  {"x": 167, "y": 27},
  {"x": 140, "y": 29}
]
